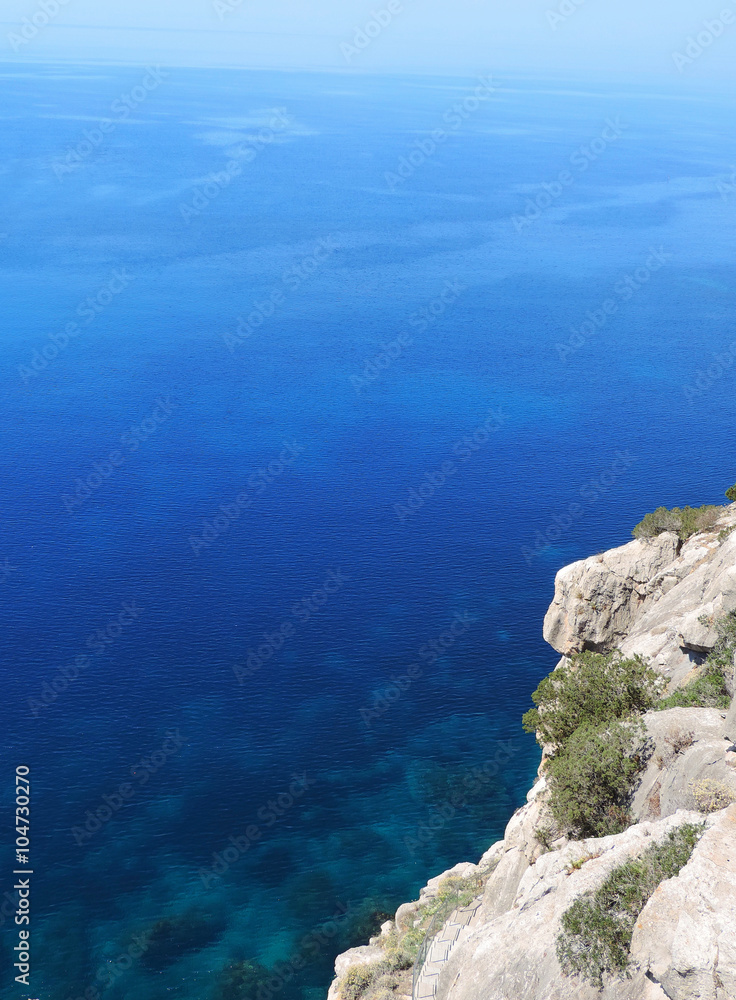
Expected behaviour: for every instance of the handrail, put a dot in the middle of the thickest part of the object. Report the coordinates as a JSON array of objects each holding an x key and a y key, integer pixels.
[
  {"x": 435, "y": 926},
  {"x": 456, "y": 899}
]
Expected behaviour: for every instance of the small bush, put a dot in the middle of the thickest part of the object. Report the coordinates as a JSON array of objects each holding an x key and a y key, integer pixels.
[
  {"x": 723, "y": 652},
  {"x": 686, "y": 521},
  {"x": 372, "y": 982},
  {"x": 656, "y": 522},
  {"x": 725, "y": 532},
  {"x": 382, "y": 979},
  {"x": 597, "y": 929},
  {"x": 545, "y": 835},
  {"x": 710, "y": 688},
  {"x": 358, "y": 979},
  {"x": 590, "y": 780},
  {"x": 731, "y": 493},
  {"x": 463, "y": 890},
  {"x": 706, "y": 691},
  {"x": 711, "y": 795},
  {"x": 592, "y": 688},
  {"x": 679, "y": 741}
]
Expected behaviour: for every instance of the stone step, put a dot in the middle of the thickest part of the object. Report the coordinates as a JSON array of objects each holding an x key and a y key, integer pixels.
[{"x": 458, "y": 926}]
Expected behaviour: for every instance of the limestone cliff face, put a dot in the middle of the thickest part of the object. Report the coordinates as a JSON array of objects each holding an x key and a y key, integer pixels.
[
  {"x": 683, "y": 943},
  {"x": 646, "y": 597}
]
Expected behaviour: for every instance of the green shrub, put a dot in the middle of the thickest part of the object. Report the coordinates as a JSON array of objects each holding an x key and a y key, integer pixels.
[
  {"x": 591, "y": 778},
  {"x": 656, "y": 522},
  {"x": 685, "y": 521},
  {"x": 459, "y": 889},
  {"x": 710, "y": 688},
  {"x": 373, "y": 981},
  {"x": 359, "y": 978},
  {"x": 597, "y": 929},
  {"x": 722, "y": 653},
  {"x": 382, "y": 979},
  {"x": 706, "y": 691},
  {"x": 731, "y": 493},
  {"x": 592, "y": 688}
]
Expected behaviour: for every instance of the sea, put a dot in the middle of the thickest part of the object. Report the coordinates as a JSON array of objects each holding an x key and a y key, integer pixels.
[{"x": 310, "y": 385}]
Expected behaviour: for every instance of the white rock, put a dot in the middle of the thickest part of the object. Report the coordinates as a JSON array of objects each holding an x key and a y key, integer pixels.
[
  {"x": 597, "y": 599},
  {"x": 686, "y": 934},
  {"x": 646, "y": 597},
  {"x": 513, "y": 956}
]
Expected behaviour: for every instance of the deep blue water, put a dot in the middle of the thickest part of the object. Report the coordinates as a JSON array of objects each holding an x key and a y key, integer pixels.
[{"x": 168, "y": 421}]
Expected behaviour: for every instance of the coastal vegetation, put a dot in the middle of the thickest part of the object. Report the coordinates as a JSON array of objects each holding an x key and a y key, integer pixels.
[
  {"x": 591, "y": 779},
  {"x": 588, "y": 717},
  {"x": 598, "y": 927},
  {"x": 586, "y": 714},
  {"x": 390, "y": 976},
  {"x": 709, "y": 689},
  {"x": 684, "y": 521},
  {"x": 711, "y": 795},
  {"x": 591, "y": 689}
]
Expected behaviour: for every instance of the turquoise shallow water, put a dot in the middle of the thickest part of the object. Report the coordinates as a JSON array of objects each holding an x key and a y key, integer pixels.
[{"x": 309, "y": 418}]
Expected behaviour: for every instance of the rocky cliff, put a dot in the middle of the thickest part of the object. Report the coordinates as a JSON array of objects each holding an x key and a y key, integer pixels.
[{"x": 657, "y": 598}]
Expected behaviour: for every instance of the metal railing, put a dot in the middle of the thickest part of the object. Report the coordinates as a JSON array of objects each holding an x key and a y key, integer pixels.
[
  {"x": 462, "y": 895},
  {"x": 435, "y": 926}
]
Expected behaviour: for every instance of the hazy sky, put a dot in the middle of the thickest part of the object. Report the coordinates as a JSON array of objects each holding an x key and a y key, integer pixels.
[{"x": 611, "y": 37}]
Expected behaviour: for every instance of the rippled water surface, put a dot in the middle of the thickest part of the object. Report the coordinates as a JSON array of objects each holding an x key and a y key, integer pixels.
[{"x": 293, "y": 450}]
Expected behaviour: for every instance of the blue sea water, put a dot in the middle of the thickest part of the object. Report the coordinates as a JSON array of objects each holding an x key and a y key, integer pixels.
[{"x": 292, "y": 515}]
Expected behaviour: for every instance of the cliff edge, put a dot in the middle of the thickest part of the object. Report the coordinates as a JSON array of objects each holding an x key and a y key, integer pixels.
[{"x": 660, "y": 599}]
